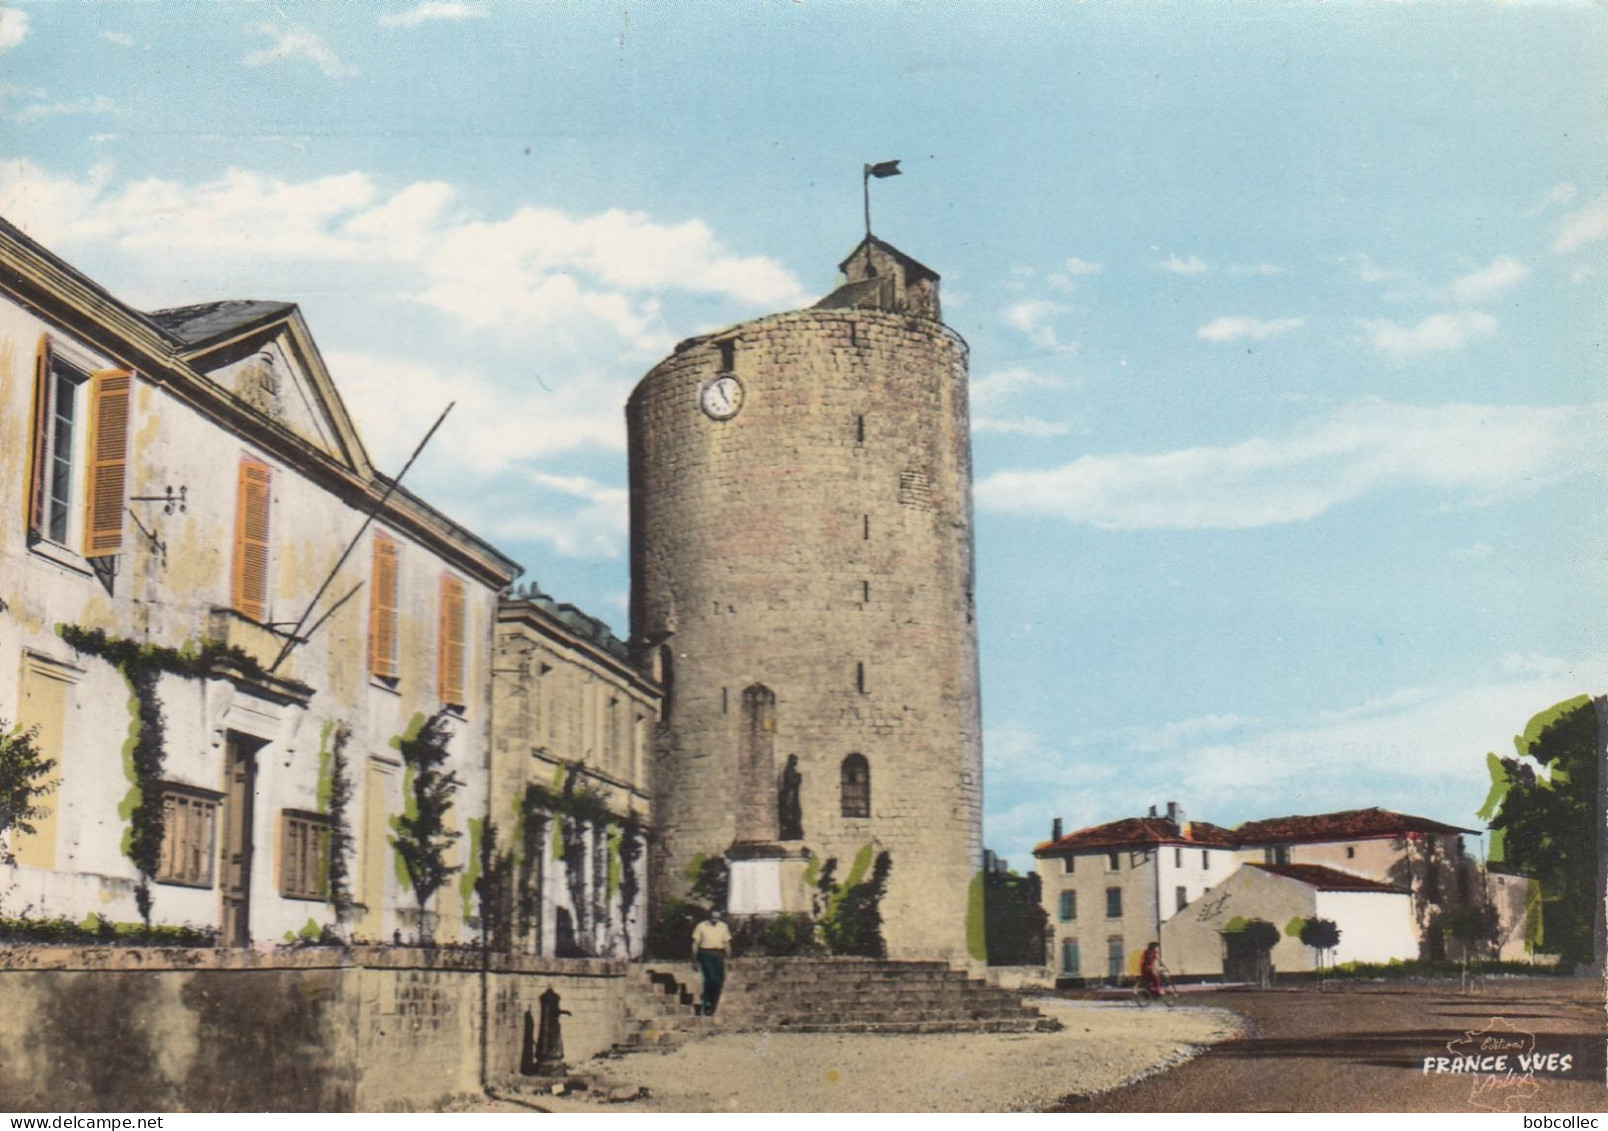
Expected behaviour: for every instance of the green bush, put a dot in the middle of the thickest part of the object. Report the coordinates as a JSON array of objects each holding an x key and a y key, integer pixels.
[
  {"x": 774, "y": 936},
  {"x": 96, "y": 931}
]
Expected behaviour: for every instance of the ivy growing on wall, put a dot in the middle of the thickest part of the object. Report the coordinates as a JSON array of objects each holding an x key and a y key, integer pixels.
[
  {"x": 334, "y": 799},
  {"x": 423, "y": 836},
  {"x": 142, "y": 666},
  {"x": 849, "y": 914}
]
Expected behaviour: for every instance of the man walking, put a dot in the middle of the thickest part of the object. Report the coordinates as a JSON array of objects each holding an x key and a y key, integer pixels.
[{"x": 711, "y": 942}]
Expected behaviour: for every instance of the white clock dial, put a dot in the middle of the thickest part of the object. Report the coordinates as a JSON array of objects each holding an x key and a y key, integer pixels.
[{"x": 721, "y": 398}]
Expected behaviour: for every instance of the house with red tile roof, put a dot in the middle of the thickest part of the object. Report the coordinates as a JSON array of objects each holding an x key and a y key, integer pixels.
[{"x": 1111, "y": 889}]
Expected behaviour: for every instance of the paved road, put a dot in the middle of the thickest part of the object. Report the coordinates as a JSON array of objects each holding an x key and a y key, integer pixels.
[{"x": 1362, "y": 1048}]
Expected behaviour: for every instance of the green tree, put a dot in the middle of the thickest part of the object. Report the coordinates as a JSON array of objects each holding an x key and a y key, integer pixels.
[
  {"x": 1542, "y": 812},
  {"x": 24, "y": 779}
]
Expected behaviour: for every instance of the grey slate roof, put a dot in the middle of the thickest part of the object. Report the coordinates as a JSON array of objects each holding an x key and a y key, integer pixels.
[{"x": 210, "y": 321}]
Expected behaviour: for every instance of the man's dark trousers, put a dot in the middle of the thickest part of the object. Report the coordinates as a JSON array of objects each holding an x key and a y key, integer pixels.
[{"x": 712, "y": 963}]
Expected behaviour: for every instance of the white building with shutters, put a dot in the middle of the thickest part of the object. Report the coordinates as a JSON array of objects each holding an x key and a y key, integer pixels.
[{"x": 229, "y": 734}]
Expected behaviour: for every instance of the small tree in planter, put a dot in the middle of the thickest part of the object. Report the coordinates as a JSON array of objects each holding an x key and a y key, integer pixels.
[{"x": 1322, "y": 935}]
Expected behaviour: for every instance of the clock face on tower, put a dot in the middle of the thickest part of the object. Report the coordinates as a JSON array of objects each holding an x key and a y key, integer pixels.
[{"x": 721, "y": 398}]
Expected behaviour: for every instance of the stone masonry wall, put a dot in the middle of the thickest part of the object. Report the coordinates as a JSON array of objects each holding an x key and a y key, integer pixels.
[
  {"x": 98, "y": 1029},
  {"x": 818, "y": 543}
]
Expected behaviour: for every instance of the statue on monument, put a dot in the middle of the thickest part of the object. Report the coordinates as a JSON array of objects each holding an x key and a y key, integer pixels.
[{"x": 789, "y": 813}]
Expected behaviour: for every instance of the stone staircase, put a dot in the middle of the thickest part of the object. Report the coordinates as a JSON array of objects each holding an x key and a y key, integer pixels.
[
  {"x": 857, "y": 995},
  {"x": 660, "y": 1011}
]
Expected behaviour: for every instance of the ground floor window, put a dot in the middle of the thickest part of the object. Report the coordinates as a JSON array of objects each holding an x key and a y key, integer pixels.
[
  {"x": 1114, "y": 955},
  {"x": 189, "y": 826},
  {"x": 1069, "y": 958},
  {"x": 304, "y": 855}
]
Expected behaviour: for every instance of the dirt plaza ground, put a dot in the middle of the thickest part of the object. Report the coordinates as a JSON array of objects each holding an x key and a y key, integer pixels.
[
  {"x": 1363, "y": 1047},
  {"x": 1356, "y": 1048}
]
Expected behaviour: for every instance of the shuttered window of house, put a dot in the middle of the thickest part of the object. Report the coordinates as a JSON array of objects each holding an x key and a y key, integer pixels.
[
  {"x": 382, "y": 608},
  {"x": 250, "y": 589},
  {"x": 108, "y": 462},
  {"x": 450, "y": 641}
]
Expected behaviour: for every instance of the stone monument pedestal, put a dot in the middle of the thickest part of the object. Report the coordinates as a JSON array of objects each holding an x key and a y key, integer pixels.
[{"x": 766, "y": 879}]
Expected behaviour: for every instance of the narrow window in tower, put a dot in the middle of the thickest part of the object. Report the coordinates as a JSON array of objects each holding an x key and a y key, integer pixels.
[
  {"x": 859, "y": 677},
  {"x": 865, "y": 592},
  {"x": 728, "y": 355},
  {"x": 859, "y": 429},
  {"x": 865, "y": 527},
  {"x": 725, "y": 700},
  {"x": 856, "y": 786},
  {"x": 667, "y": 681}
]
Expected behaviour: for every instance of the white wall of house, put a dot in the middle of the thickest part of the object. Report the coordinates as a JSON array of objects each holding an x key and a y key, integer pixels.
[{"x": 1375, "y": 926}]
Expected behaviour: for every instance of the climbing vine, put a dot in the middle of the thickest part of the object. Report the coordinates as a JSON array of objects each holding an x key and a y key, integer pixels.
[
  {"x": 422, "y": 834},
  {"x": 849, "y": 914},
  {"x": 334, "y": 798}
]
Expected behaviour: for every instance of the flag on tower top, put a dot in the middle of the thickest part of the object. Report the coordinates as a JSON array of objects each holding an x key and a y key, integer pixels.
[{"x": 883, "y": 169}]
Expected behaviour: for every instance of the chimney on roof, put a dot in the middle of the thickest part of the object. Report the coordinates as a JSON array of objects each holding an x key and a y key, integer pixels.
[
  {"x": 1176, "y": 814},
  {"x": 1055, "y": 829},
  {"x": 1152, "y": 810}
]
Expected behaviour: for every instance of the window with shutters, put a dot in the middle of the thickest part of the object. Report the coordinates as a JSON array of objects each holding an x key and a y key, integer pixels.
[
  {"x": 79, "y": 455},
  {"x": 304, "y": 855},
  {"x": 450, "y": 642},
  {"x": 1113, "y": 903},
  {"x": 382, "y": 608},
  {"x": 189, "y": 826},
  {"x": 1069, "y": 906},
  {"x": 1070, "y": 958},
  {"x": 252, "y": 502}
]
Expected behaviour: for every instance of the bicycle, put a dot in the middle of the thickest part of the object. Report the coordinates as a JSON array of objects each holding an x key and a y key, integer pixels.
[{"x": 1143, "y": 995}]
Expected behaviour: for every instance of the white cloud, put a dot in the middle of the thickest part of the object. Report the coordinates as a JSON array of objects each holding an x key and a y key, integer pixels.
[
  {"x": 1004, "y": 383},
  {"x": 1257, "y": 269},
  {"x": 535, "y": 272},
  {"x": 39, "y": 111},
  {"x": 291, "y": 42},
  {"x": 1032, "y": 316},
  {"x": 1558, "y": 195},
  {"x": 1365, "y": 270},
  {"x": 1233, "y": 329},
  {"x": 121, "y": 39},
  {"x": 1438, "y": 333},
  {"x": 1227, "y": 769},
  {"x": 1502, "y": 275},
  {"x": 1583, "y": 226},
  {"x": 432, "y": 10},
  {"x": 1076, "y": 266},
  {"x": 13, "y": 27},
  {"x": 1194, "y": 265},
  {"x": 1471, "y": 454},
  {"x": 1021, "y": 426}
]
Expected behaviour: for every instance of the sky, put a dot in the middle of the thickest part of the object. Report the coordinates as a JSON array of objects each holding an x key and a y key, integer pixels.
[{"x": 1285, "y": 319}]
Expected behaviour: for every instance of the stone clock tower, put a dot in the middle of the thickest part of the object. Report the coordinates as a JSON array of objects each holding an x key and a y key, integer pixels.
[{"x": 801, "y": 565}]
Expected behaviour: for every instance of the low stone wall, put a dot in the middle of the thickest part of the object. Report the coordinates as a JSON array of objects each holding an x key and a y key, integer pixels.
[{"x": 91, "y": 1029}]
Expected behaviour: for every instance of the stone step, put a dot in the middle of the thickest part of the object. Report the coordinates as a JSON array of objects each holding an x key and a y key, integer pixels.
[{"x": 1013, "y": 1025}]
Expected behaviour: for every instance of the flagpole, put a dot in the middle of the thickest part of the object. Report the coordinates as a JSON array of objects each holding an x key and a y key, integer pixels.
[{"x": 865, "y": 186}]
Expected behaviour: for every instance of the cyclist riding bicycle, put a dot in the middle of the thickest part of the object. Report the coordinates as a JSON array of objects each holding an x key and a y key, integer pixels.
[{"x": 1150, "y": 969}]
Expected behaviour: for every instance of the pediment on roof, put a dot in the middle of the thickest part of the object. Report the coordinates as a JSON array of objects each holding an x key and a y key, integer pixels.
[{"x": 273, "y": 368}]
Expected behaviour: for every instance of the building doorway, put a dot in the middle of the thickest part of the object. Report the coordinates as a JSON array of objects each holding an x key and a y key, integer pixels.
[{"x": 240, "y": 795}]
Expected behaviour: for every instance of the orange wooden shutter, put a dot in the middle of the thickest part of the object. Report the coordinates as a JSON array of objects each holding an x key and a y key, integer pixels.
[
  {"x": 34, "y": 502},
  {"x": 251, "y": 540},
  {"x": 382, "y": 609},
  {"x": 108, "y": 462},
  {"x": 450, "y": 640}
]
